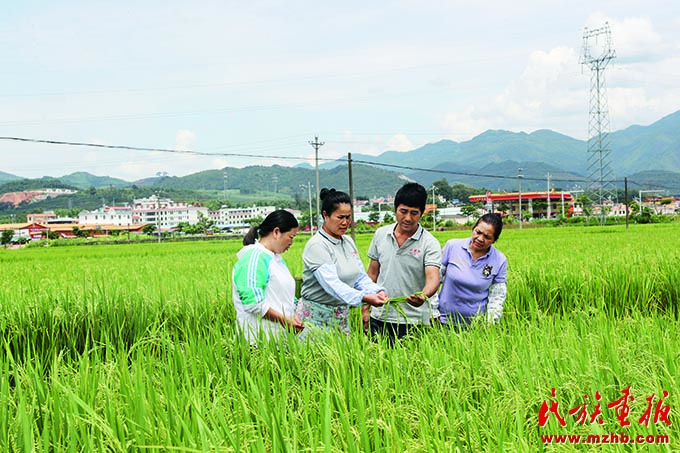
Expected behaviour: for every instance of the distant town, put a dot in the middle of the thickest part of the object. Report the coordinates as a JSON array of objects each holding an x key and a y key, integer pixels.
[{"x": 156, "y": 215}]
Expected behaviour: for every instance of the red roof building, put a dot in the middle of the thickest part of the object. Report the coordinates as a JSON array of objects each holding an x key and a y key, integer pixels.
[{"x": 534, "y": 202}]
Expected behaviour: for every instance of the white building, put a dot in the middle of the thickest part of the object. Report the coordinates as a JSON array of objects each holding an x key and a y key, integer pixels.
[
  {"x": 165, "y": 213},
  {"x": 455, "y": 214},
  {"x": 228, "y": 218},
  {"x": 107, "y": 215},
  {"x": 361, "y": 215}
]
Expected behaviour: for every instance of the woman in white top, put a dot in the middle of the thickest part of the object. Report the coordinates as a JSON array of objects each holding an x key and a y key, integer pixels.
[{"x": 262, "y": 287}]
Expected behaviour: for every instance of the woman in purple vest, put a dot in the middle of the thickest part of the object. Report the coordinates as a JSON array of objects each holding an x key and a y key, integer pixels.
[{"x": 474, "y": 273}]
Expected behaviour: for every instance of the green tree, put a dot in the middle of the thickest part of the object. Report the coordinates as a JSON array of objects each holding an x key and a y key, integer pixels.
[
  {"x": 183, "y": 227},
  {"x": 254, "y": 221},
  {"x": 462, "y": 193},
  {"x": 503, "y": 207},
  {"x": 7, "y": 236},
  {"x": 149, "y": 228},
  {"x": 470, "y": 210},
  {"x": 72, "y": 213},
  {"x": 387, "y": 218},
  {"x": 374, "y": 216},
  {"x": 443, "y": 188},
  {"x": 206, "y": 224},
  {"x": 214, "y": 205},
  {"x": 304, "y": 219},
  {"x": 78, "y": 232}
]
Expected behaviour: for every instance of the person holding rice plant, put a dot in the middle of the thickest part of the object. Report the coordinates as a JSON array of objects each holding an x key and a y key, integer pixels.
[
  {"x": 262, "y": 286},
  {"x": 405, "y": 259},
  {"x": 474, "y": 274},
  {"x": 334, "y": 279}
]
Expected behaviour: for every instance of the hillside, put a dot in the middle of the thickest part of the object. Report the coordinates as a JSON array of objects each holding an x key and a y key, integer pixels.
[
  {"x": 502, "y": 176},
  {"x": 648, "y": 155},
  {"x": 8, "y": 177},
  {"x": 368, "y": 181},
  {"x": 638, "y": 148},
  {"x": 84, "y": 180},
  {"x": 46, "y": 182}
]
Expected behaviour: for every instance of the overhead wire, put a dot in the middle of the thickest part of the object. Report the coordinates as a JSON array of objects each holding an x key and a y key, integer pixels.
[{"x": 263, "y": 156}]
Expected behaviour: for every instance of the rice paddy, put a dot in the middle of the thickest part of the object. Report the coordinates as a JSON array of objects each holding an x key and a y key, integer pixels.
[{"x": 131, "y": 348}]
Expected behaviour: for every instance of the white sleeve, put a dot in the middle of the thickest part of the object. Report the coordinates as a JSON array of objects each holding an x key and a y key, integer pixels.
[
  {"x": 494, "y": 306},
  {"x": 365, "y": 284},
  {"x": 327, "y": 276},
  {"x": 434, "y": 305}
]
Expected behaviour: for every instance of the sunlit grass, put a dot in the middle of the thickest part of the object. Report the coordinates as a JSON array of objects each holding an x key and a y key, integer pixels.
[{"x": 131, "y": 348}]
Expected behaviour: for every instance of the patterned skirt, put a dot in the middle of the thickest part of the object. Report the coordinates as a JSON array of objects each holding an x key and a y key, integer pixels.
[{"x": 321, "y": 319}]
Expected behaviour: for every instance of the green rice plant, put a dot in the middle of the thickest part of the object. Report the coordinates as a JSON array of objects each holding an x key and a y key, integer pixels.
[{"x": 133, "y": 348}]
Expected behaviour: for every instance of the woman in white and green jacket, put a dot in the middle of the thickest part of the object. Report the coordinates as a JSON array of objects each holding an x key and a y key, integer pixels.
[{"x": 263, "y": 289}]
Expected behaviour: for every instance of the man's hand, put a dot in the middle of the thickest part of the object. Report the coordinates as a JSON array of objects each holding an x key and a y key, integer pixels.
[
  {"x": 416, "y": 299},
  {"x": 366, "y": 316}
]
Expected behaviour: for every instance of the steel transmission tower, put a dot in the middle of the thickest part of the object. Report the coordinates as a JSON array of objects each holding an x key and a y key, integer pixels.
[{"x": 597, "y": 53}]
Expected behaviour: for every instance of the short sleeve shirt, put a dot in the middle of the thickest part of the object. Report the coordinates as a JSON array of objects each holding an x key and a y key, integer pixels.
[
  {"x": 402, "y": 270},
  {"x": 465, "y": 290},
  {"x": 321, "y": 249}
]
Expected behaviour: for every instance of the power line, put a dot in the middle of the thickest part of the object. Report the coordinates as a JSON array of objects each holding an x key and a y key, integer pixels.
[
  {"x": 460, "y": 173},
  {"x": 342, "y": 160},
  {"x": 160, "y": 150}
]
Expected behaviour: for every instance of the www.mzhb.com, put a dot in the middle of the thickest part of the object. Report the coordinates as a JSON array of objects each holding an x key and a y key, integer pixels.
[{"x": 611, "y": 438}]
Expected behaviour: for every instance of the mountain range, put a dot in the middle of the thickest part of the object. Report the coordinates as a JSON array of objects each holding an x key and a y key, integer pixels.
[{"x": 648, "y": 155}]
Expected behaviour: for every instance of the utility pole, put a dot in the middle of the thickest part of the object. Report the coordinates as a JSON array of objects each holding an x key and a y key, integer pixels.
[
  {"x": 311, "y": 220},
  {"x": 317, "y": 144},
  {"x": 158, "y": 217},
  {"x": 625, "y": 186},
  {"x": 519, "y": 182},
  {"x": 351, "y": 191},
  {"x": 548, "y": 197},
  {"x": 434, "y": 211}
]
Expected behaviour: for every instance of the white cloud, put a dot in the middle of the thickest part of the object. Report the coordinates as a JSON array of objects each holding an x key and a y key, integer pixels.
[
  {"x": 553, "y": 90},
  {"x": 543, "y": 92},
  {"x": 184, "y": 140},
  {"x": 400, "y": 142},
  {"x": 371, "y": 78},
  {"x": 633, "y": 39},
  {"x": 467, "y": 123}
]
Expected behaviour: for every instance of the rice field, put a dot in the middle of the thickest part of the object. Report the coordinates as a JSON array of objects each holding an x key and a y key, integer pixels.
[{"x": 131, "y": 348}]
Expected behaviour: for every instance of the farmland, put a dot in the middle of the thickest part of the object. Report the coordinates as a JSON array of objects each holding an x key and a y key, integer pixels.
[{"x": 131, "y": 348}]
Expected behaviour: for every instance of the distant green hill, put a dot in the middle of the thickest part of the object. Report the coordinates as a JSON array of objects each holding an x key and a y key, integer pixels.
[
  {"x": 500, "y": 176},
  {"x": 648, "y": 155},
  {"x": 46, "y": 182},
  {"x": 638, "y": 148},
  {"x": 666, "y": 182},
  {"x": 8, "y": 177},
  {"x": 368, "y": 181},
  {"x": 84, "y": 180}
]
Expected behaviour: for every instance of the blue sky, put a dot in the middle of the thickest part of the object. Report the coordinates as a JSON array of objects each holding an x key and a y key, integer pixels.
[{"x": 263, "y": 77}]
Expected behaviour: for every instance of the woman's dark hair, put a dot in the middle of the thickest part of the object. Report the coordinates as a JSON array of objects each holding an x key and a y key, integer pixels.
[
  {"x": 331, "y": 198},
  {"x": 281, "y": 219},
  {"x": 412, "y": 195},
  {"x": 493, "y": 219}
]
